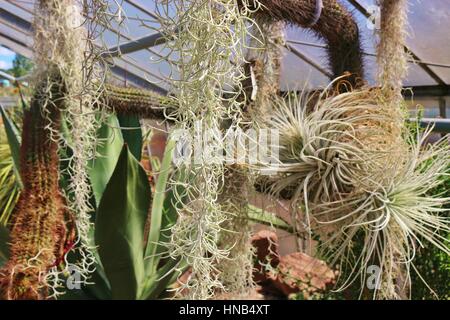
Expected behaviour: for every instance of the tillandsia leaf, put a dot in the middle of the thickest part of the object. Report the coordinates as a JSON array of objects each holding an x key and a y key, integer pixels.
[
  {"x": 158, "y": 210},
  {"x": 131, "y": 133},
  {"x": 110, "y": 142},
  {"x": 119, "y": 227},
  {"x": 394, "y": 216},
  {"x": 14, "y": 141}
]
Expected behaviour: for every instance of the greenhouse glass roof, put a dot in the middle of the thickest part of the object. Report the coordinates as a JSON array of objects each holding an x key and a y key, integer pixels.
[{"x": 304, "y": 58}]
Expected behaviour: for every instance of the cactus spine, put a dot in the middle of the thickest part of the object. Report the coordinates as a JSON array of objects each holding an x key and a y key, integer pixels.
[{"x": 39, "y": 229}]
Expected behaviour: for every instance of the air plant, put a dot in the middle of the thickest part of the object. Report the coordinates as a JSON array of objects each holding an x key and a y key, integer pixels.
[
  {"x": 208, "y": 34},
  {"x": 393, "y": 216},
  {"x": 343, "y": 160},
  {"x": 324, "y": 142},
  {"x": 359, "y": 181},
  {"x": 237, "y": 270}
]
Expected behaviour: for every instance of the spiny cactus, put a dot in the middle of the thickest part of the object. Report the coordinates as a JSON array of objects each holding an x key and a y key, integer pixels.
[
  {"x": 335, "y": 25},
  {"x": 145, "y": 103},
  {"x": 38, "y": 228}
]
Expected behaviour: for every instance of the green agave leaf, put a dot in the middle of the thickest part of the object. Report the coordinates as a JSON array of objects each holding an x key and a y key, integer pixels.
[
  {"x": 4, "y": 245},
  {"x": 158, "y": 211},
  {"x": 119, "y": 227},
  {"x": 108, "y": 150},
  {"x": 14, "y": 141},
  {"x": 268, "y": 218},
  {"x": 132, "y": 133},
  {"x": 165, "y": 276},
  {"x": 98, "y": 287}
]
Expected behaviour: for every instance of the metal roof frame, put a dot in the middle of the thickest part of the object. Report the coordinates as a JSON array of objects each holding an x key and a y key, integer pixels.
[
  {"x": 358, "y": 6},
  {"x": 10, "y": 15}
]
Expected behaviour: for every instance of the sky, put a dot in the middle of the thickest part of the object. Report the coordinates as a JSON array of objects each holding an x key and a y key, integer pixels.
[{"x": 6, "y": 58}]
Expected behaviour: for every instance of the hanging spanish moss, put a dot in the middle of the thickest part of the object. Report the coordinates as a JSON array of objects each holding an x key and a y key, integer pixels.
[
  {"x": 207, "y": 94},
  {"x": 261, "y": 86},
  {"x": 263, "y": 68},
  {"x": 237, "y": 268},
  {"x": 66, "y": 79},
  {"x": 58, "y": 36}
]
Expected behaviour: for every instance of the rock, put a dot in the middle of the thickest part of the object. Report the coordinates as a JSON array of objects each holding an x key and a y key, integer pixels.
[
  {"x": 266, "y": 244},
  {"x": 298, "y": 272}
]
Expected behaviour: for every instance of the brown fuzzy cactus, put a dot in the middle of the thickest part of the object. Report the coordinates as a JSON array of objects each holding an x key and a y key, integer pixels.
[
  {"x": 141, "y": 102},
  {"x": 335, "y": 25},
  {"x": 38, "y": 228}
]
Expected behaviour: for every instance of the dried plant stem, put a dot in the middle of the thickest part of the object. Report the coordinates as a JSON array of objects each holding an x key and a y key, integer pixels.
[
  {"x": 391, "y": 56},
  {"x": 237, "y": 269}
]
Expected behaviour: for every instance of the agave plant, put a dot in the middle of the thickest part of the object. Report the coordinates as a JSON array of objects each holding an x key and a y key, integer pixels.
[{"x": 132, "y": 261}]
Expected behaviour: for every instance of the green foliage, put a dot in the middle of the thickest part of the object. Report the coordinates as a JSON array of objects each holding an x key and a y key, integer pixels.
[
  {"x": 119, "y": 227},
  {"x": 21, "y": 66},
  {"x": 14, "y": 140},
  {"x": 9, "y": 176},
  {"x": 127, "y": 267},
  {"x": 4, "y": 250},
  {"x": 110, "y": 142},
  {"x": 132, "y": 133},
  {"x": 267, "y": 218},
  {"x": 432, "y": 264},
  {"x": 157, "y": 209}
]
